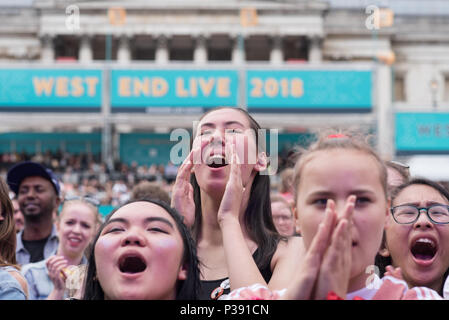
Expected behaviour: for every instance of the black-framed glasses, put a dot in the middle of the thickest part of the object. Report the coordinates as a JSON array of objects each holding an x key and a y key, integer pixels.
[
  {"x": 93, "y": 201},
  {"x": 408, "y": 214}
]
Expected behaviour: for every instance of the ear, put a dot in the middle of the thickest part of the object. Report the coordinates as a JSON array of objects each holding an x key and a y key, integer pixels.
[
  {"x": 182, "y": 274},
  {"x": 262, "y": 162}
]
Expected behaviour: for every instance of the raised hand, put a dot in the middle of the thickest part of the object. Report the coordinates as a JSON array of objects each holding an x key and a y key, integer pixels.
[
  {"x": 55, "y": 266},
  {"x": 182, "y": 192},
  {"x": 393, "y": 272},
  {"x": 335, "y": 270},
  {"x": 303, "y": 285},
  {"x": 232, "y": 197}
]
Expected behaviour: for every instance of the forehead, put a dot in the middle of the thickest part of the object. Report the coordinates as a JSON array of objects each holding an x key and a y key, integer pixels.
[
  {"x": 78, "y": 210},
  {"x": 35, "y": 180},
  {"x": 279, "y": 207},
  {"x": 335, "y": 167},
  {"x": 137, "y": 212},
  {"x": 223, "y": 116},
  {"x": 419, "y": 193}
]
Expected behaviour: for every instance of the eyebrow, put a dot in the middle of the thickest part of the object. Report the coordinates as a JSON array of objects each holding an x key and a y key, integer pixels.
[
  {"x": 330, "y": 193},
  {"x": 416, "y": 204},
  {"x": 227, "y": 123},
  {"x": 146, "y": 220}
]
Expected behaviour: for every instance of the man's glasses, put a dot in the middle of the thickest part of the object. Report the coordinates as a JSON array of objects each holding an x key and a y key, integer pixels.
[{"x": 408, "y": 214}]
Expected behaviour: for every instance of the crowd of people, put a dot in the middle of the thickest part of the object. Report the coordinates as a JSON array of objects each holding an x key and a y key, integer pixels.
[{"x": 339, "y": 223}]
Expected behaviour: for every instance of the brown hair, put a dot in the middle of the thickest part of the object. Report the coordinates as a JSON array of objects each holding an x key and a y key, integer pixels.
[
  {"x": 287, "y": 176},
  {"x": 150, "y": 190},
  {"x": 7, "y": 229},
  {"x": 341, "y": 141}
]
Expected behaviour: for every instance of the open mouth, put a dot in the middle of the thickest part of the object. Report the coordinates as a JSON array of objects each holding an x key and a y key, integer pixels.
[
  {"x": 424, "y": 249},
  {"x": 216, "y": 161},
  {"x": 132, "y": 264}
]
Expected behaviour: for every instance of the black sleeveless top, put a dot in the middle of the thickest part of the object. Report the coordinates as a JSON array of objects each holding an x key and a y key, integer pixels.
[{"x": 214, "y": 289}]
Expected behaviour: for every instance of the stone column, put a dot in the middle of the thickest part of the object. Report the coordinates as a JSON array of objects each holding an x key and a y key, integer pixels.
[
  {"x": 276, "y": 54},
  {"x": 315, "y": 50},
  {"x": 200, "y": 53},
  {"x": 162, "y": 56},
  {"x": 123, "y": 52},
  {"x": 385, "y": 112},
  {"x": 238, "y": 51},
  {"x": 85, "y": 51},
  {"x": 48, "y": 49}
]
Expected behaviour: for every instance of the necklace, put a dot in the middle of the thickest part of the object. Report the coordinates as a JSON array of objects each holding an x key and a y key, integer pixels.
[{"x": 218, "y": 291}]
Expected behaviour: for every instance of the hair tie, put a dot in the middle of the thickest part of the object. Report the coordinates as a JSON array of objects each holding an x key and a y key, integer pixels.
[{"x": 337, "y": 136}]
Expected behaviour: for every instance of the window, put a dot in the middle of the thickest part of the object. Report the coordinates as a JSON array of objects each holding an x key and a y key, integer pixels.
[{"x": 399, "y": 88}]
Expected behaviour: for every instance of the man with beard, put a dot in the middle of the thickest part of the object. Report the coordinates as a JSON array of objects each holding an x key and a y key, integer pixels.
[{"x": 37, "y": 191}]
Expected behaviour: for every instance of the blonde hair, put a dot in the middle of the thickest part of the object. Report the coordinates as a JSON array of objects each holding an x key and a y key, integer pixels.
[{"x": 340, "y": 141}]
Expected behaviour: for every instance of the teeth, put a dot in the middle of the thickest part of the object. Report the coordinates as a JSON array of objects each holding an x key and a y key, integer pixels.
[
  {"x": 425, "y": 240},
  {"x": 217, "y": 159}
]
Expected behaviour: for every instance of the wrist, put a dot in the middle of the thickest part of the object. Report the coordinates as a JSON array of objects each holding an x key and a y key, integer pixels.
[{"x": 229, "y": 221}]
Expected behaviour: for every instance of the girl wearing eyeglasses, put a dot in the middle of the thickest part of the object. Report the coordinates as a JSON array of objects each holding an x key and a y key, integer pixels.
[
  {"x": 55, "y": 277},
  {"x": 417, "y": 234}
]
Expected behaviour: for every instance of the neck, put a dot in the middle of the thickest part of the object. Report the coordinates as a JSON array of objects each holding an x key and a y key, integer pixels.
[
  {"x": 37, "y": 230},
  {"x": 210, "y": 229}
]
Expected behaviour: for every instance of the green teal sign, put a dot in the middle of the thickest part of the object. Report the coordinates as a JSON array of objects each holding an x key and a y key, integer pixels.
[
  {"x": 422, "y": 132},
  {"x": 309, "y": 90},
  {"x": 169, "y": 90},
  {"x": 31, "y": 143},
  {"x": 173, "y": 88},
  {"x": 145, "y": 148},
  {"x": 50, "y": 88}
]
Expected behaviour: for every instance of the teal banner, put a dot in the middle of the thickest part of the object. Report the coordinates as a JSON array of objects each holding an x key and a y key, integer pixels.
[
  {"x": 422, "y": 132},
  {"x": 309, "y": 89},
  {"x": 173, "y": 88},
  {"x": 41, "y": 142},
  {"x": 50, "y": 88},
  {"x": 145, "y": 148}
]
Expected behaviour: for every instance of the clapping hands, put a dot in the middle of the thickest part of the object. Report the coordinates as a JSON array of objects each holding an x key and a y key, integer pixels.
[{"x": 327, "y": 264}]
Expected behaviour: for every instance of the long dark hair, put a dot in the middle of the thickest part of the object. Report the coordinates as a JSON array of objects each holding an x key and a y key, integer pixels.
[
  {"x": 186, "y": 289},
  {"x": 257, "y": 217},
  {"x": 7, "y": 229},
  {"x": 381, "y": 261}
]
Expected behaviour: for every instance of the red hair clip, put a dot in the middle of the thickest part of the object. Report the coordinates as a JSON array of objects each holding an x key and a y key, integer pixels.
[{"x": 336, "y": 136}]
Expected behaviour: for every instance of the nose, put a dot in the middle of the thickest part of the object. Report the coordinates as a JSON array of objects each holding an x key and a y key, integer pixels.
[
  {"x": 133, "y": 238},
  {"x": 423, "y": 221},
  {"x": 30, "y": 193},
  {"x": 77, "y": 228},
  {"x": 217, "y": 136}
]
